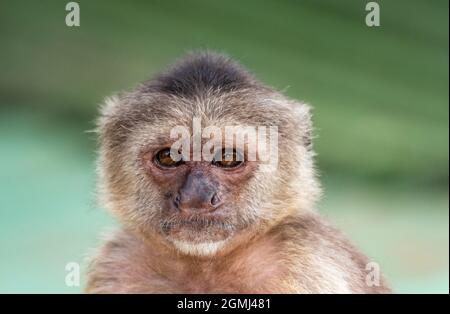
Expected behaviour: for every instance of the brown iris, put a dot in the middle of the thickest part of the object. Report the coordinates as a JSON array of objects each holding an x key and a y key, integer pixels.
[
  {"x": 228, "y": 159},
  {"x": 164, "y": 159}
]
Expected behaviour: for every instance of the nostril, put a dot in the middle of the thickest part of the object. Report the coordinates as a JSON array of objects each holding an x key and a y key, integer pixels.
[
  {"x": 215, "y": 200},
  {"x": 177, "y": 201}
]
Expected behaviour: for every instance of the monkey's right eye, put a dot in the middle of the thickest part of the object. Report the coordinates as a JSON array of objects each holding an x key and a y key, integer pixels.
[{"x": 164, "y": 159}]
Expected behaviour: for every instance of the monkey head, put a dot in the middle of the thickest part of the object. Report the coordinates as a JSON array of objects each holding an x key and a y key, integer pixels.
[{"x": 175, "y": 194}]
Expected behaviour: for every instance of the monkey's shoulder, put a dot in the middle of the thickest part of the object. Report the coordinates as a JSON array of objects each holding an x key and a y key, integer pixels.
[
  {"x": 123, "y": 265},
  {"x": 322, "y": 257}
]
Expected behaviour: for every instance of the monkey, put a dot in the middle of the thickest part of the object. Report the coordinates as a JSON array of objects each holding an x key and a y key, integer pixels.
[{"x": 226, "y": 224}]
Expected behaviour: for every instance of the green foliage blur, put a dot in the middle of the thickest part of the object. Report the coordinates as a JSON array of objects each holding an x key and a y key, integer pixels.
[{"x": 381, "y": 110}]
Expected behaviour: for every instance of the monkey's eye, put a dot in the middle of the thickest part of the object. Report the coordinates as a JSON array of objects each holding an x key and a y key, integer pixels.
[
  {"x": 228, "y": 159},
  {"x": 163, "y": 159}
]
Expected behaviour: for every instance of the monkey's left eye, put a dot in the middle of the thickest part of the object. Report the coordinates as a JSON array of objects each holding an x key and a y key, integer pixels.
[
  {"x": 164, "y": 159},
  {"x": 228, "y": 159}
]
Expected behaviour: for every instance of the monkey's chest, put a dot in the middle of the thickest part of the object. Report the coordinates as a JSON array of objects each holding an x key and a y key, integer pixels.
[{"x": 262, "y": 278}]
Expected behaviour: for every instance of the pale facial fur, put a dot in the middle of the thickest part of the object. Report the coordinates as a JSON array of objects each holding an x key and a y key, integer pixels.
[{"x": 198, "y": 249}]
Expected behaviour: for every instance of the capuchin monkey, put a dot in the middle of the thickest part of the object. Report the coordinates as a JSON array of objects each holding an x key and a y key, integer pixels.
[{"x": 222, "y": 222}]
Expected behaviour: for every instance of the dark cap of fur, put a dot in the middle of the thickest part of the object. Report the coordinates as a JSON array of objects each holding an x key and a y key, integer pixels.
[{"x": 201, "y": 72}]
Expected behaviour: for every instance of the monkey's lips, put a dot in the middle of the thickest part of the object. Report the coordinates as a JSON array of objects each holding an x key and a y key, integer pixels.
[{"x": 195, "y": 227}]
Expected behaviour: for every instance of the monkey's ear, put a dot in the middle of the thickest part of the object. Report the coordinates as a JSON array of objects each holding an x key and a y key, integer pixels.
[
  {"x": 107, "y": 110},
  {"x": 109, "y": 105},
  {"x": 303, "y": 116}
]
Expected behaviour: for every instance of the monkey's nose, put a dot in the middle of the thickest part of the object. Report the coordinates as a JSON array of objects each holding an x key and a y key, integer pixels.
[{"x": 197, "y": 202}]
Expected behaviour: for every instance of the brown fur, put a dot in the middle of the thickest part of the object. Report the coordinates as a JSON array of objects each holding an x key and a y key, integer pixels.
[{"x": 274, "y": 241}]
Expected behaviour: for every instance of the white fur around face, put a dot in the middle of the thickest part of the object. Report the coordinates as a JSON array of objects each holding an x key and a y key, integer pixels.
[{"x": 198, "y": 249}]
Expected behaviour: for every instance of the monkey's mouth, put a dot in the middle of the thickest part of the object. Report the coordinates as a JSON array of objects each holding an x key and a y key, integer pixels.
[
  {"x": 200, "y": 223},
  {"x": 195, "y": 227}
]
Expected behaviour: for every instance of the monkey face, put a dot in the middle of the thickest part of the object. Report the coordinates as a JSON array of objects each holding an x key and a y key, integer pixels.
[
  {"x": 196, "y": 202},
  {"x": 190, "y": 200}
]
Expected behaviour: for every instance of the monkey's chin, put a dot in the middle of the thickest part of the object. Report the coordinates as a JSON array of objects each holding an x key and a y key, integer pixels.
[
  {"x": 207, "y": 248},
  {"x": 198, "y": 240},
  {"x": 205, "y": 242}
]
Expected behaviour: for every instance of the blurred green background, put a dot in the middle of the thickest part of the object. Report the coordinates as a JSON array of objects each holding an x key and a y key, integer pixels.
[{"x": 381, "y": 114}]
